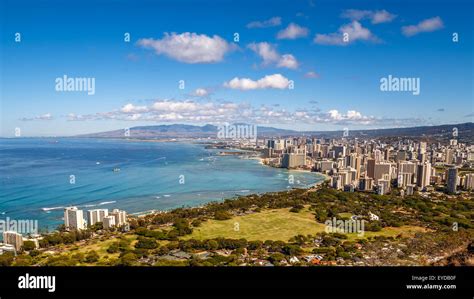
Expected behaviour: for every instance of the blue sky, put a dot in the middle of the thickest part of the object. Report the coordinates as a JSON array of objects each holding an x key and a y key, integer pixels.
[{"x": 336, "y": 82}]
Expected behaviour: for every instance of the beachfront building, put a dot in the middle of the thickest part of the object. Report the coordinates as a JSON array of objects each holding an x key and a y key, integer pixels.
[
  {"x": 74, "y": 218},
  {"x": 120, "y": 217},
  {"x": 108, "y": 222},
  {"x": 96, "y": 215},
  {"x": 13, "y": 238}
]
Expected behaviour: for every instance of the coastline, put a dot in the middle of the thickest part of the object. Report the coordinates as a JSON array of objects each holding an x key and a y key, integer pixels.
[
  {"x": 260, "y": 160},
  {"x": 50, "y": 213}
]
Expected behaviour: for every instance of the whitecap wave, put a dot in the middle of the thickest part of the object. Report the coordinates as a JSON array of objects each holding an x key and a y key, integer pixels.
[
  {"x": 53, "y": 208},
  {"x": 106, "y": 202}
]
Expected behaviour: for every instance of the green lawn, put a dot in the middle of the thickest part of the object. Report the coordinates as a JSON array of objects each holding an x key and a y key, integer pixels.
[
  {"x": 267, "y": 225},
  {"x": 279, "y": 224}
]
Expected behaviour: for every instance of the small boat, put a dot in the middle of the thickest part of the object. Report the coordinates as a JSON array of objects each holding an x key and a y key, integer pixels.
[{"x": 116, "y": 169}]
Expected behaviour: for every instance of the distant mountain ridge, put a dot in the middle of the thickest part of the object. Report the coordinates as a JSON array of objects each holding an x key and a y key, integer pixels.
[{"x": 465, "y": 132}]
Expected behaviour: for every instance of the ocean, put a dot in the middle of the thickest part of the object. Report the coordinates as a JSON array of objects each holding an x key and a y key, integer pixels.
[{"x": 41, "y": 176}]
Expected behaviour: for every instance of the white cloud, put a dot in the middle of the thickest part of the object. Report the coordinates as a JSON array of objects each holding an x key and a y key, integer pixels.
[
  {"x": 272, "y": 22},
  {"x": 200, "y": 92},
  {"x": 175, "y": 106},
  {"x": 355, "y": 31},
  {"x": 266, "y": 51},
  {"x": 376, "y": 17},
  {"x": 293, "y": 31},
  {"x": 46, "y": 116},
  {"x": 355, "y": 14},
  {"x": 187, "y": 111},
  {"x": 270, "y": 81},
  {"x": 189, "y": 47},
  {"x": 312, "y": 74},
  {"x": 130, "y": 108},
  {"x": 270, "y": 55},
  {"x": 427, "y": 25},
  {"x": 382, "y": 16},
  {"x": 289, "y": 61}
]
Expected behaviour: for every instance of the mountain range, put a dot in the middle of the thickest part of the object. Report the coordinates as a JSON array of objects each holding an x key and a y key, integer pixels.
[{"x": 465, "y": 132}]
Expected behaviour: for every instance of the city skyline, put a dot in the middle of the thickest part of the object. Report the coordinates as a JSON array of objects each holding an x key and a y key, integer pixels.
[{"x": 291, "y": 67}]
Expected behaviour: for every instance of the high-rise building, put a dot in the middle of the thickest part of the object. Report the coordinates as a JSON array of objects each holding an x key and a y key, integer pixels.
[
  {"x": 366, "y": 184},
  {"x": 290, "y": 160},
  {"x": 13, "y": 238},
  {"x": 452, "y": 179},
  {"x": 407, "y": 167},
  {"x": 423, "y": 175},
  {"x": 339, "y": 151},
  {"x": 469, "y": 181},
  {"x": 74, "y": 218},
  {"x": 271, "y": 143},
  {"x": 422, "y": 148},
  {"x": 120, "y": 217},
  {"x": 448, "y": 156},
  {"x": 96, "y": 215},
  {"x": 404, "y": 179},
  {"x": 108, "y": 222},
  {"x": 371, "y": 168},
  {"x": 401, "y": 156},
  {"x": 382, "y": 170},
  {"x": 383, "y": 187}
]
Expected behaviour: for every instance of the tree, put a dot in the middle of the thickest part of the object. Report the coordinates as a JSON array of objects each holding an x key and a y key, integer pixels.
[
  {"x": 34, "y": 253},
  {"x": 146, "y": 243},
  {"x": 222, "y": 215},
  {"x": 196, "y": 222},
  {"x": 276, "y": 258},
  {"x": 292, "y": 250},
  {"x": 23, "y": 260},
  {"x": 29, "y": 245},
  {"x": 113, "y": 248},
  {"x": 91, "y": 257},
  {"x": 6, "y": 259},
  {"x": 127, "y": 259}
]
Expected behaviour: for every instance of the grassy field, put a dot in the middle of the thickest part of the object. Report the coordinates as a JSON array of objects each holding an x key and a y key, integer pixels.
[{"x": 280, "y": 224}]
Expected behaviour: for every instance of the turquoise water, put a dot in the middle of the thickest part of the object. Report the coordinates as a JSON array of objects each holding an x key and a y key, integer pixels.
[{"x": 35, "y": 176}]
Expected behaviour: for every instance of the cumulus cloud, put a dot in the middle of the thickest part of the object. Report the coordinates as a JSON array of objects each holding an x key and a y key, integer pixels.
[
  {"x": 354, "y": 32},
  {"x": 427, "y": 25},
  {"x": 189, "y": 47},
  {"x": 46, "y": 116},
  {"x": 78, "y": 117},
  {"x": 272, "y": 22},
  {"x": 376, "y": 17},
  {"x": 288, "y": 61},
  {"x": 293, "y": 31},
  {"x": 200, "y": 92},
  {"x": 270, "y": 81},
  {"x": 130, "y": 108},
  {"x": 312, "y": 75},
  {"x": 188, "y": 111},
  {"x": 382, "y": 16},
  {"x": 270, "y": 55}
]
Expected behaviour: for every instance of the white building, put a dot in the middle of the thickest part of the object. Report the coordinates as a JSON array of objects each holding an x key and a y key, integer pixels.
[
  {"x": 423, "y": 175},
  {"x": 7, "y": 248},
  {"x": 120, "y": 217},
  {"x": 74, "y": 218},
  {"x": 469, "y": 181},
  {"x": 108, "y": 222},
  {"x": 96, "y": 215},
  {"x": 13, "y": 238}
]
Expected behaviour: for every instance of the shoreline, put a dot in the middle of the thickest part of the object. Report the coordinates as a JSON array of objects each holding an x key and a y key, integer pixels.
[
  {"x": 325, "y": 176},
  {"x": 151, "y": 211}
]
